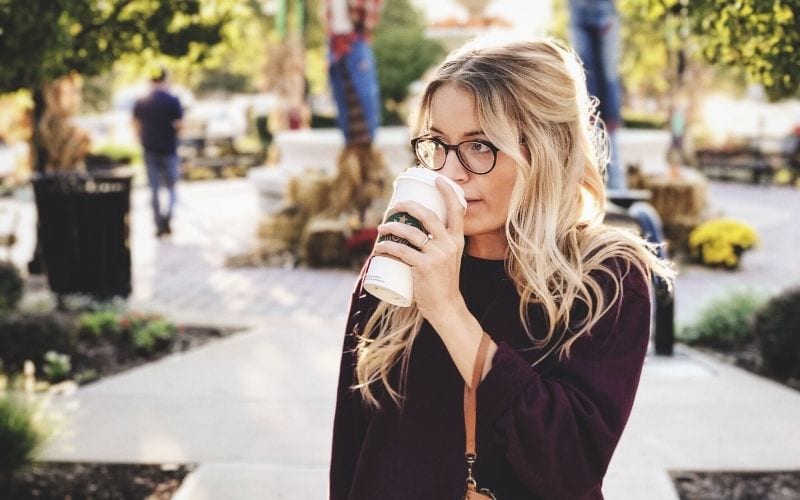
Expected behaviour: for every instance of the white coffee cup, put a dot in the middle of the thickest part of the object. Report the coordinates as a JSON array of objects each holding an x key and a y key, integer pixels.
[{"x": 390, "y": 279}]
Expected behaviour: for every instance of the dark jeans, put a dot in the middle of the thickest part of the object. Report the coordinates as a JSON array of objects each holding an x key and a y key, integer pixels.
[
  {"x": 594, "y": 27},
  {"x": 162, "y": 168}
]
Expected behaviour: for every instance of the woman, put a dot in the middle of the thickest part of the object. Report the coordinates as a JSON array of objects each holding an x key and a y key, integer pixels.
[{"x": 563, "y": 298}]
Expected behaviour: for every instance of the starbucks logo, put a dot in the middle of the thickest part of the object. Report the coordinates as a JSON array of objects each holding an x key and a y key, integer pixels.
[{"x": 403, "y": 218}]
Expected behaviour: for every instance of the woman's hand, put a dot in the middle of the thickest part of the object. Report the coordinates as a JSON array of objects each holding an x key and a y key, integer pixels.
[{"x": 436, "y": 265}]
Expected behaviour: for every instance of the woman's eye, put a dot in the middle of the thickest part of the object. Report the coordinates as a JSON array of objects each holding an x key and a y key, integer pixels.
[{"x": 478, "y": 147}]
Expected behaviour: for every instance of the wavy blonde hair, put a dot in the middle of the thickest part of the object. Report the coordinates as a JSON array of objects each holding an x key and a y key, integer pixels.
[{"x": 532, "y": 92}]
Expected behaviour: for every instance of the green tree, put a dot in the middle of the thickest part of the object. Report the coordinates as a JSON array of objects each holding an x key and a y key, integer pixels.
[
  {"x": 402, "y": 53},
  {"x": 559, "y": 22},
  {"x": 760, "y": 37},
  {"x": 43, "y": 40},
  {"x": 649, "y": 40},
  {"x": 756, "y": 38}
]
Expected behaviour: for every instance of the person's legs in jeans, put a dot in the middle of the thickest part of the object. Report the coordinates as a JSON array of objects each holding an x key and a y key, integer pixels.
[
  {"x": 594, "y": 28},
  {"x": 582, "y": 43},
  {"x": 615, "y": 178},
  {"x": 608, "y": 67},
  {"x": 153, "y": 162},
  {"x": 171, "y": 174}
]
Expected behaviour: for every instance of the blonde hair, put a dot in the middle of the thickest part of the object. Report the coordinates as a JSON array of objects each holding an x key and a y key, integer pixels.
[{"x": 532, "y": 92}]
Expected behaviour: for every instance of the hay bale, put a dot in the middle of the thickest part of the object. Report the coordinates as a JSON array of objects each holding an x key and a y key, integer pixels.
[
  {"x": 677, "y": 197},
  {"x": 285, "y": 226},
  {"x": 324, "y": 242},
  {"x": 310, "y": 191},
  {"x": 360, "y": 179}
]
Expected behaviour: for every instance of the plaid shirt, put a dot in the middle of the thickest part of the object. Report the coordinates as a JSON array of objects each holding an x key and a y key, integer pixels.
[{"x": 363, "y": 15}]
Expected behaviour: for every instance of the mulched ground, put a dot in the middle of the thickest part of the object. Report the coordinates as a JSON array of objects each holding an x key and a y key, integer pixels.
[
  {"x": 71, "y": 481},
  {"x": 98, "y": 359},
  {"x": 738, "y": 485},
  {"x": 54, "y": 480}
]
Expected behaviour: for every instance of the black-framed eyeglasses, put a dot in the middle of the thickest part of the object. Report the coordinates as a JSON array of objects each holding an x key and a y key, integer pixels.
[{"x": 477, "y": 156}]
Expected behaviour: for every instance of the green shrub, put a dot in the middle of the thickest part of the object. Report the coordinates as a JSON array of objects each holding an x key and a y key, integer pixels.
[
  {"x": 11, "y": 287},
  {"x": 31, "y": 336},
  {"x": 57, "y": 367},
  {"x": 148, "y": 332},
  {"x": 118, "y": 153},
  {"x": 725, "y": 322},
  {"x": 99, "y": 324},
  {"x": 776, "y": 327},
  {"x": 19, "y": 438},
  {"x": 643, "y": 119},
  {"x": 402, "y": 53}
]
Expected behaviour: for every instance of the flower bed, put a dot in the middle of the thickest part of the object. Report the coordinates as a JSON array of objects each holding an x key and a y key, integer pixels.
[
  {"x": 52, "y": 480},
  {"x": 721, "y": 242},
  {"x": 81, "y": 341},
  {"x": 85, "y": 347},
  {"x": 779, "y": 485}
]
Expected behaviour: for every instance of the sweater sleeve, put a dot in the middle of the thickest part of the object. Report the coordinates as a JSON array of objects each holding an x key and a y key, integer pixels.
[
  {"x": 350, "y": 417},
  {"x": 559, "y": 429}
]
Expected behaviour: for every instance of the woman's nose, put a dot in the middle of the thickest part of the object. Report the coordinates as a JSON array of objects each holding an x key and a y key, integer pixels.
[{"x": 453, "y": 169}]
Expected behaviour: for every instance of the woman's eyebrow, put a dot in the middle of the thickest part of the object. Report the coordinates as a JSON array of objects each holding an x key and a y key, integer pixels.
[{"x": 468, "y": 134}]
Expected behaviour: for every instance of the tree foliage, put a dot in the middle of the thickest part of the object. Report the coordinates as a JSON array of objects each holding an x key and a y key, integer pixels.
[
  {"x": 402, "y": 51},
  {"x": 42, "y": 40},
  {"x": 761, "y": 37},
  {"x": 649, "y": 39}
]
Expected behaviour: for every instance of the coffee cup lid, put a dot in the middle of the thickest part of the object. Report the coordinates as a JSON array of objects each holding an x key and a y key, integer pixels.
[{"x": 428, "y": 176}]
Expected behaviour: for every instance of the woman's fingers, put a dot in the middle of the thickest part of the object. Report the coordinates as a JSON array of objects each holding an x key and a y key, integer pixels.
[
  {"x": 401, "y": 233},
  {"x": 400, "y": 251}
]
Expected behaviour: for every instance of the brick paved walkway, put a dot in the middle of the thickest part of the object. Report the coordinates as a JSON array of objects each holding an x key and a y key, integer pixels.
[{"x": 185, "y": 276}]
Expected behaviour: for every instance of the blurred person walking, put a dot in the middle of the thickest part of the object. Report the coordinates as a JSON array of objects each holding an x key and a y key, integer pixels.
[
  {"x": 157, "y": 119},
  {"x": 594, "y": 28}
]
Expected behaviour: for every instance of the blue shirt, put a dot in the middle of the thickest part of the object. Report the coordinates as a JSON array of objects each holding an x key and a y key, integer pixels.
[{"x": 156, "y": 114}]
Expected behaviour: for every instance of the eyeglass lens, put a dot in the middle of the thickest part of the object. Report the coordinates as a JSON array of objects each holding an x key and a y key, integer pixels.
[{"x": 476, "y": 156}]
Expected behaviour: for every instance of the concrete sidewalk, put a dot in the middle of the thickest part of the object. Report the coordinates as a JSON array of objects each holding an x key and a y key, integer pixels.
[{"x": 255, "y": 409}]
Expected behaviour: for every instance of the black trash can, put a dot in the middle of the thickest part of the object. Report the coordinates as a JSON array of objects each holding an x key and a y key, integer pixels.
[{"x": 84, "y": 231}]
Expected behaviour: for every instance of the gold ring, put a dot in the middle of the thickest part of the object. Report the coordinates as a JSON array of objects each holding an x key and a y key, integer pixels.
[{"x": 428, "y": 238}]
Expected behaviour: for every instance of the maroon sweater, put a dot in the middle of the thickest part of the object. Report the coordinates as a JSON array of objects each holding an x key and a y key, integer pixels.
[{"x": 543, "y": 432}]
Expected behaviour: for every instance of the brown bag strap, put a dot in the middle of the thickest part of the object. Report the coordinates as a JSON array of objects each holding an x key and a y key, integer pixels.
[{"x": 470, "y": 396}]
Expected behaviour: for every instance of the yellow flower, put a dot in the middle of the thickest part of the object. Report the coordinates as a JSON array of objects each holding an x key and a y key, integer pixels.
[{"x": 721, "y": 241}]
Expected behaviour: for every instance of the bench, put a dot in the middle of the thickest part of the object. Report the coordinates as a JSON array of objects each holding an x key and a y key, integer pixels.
[
  {"x": 200, "y": 157},
  {"x": 630, "y": 209},
  {"x": 757, "y": 160}
]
